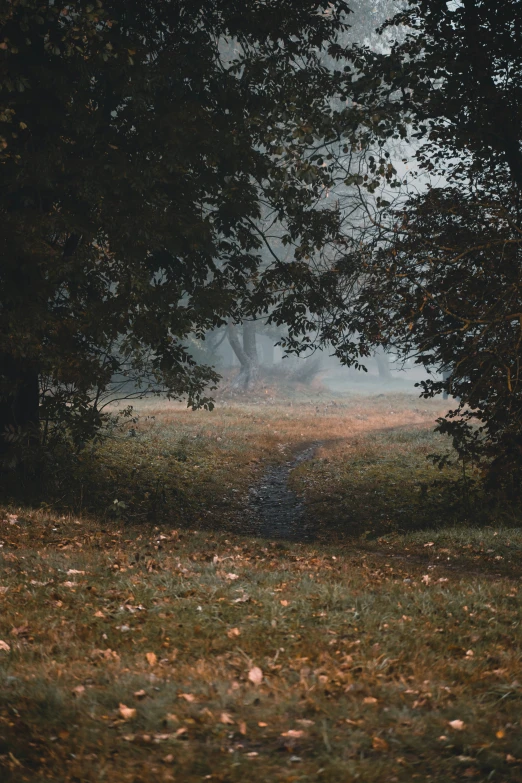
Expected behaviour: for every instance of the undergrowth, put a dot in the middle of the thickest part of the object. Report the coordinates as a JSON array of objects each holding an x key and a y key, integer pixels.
[{"x": 146, "y": 642}]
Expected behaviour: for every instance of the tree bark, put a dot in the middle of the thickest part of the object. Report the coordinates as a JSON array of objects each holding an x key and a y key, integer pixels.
[
  {"x": 383, "y": 365},
  {"x": 246, "y": 354},
  {"x": 19, "y": 399}
]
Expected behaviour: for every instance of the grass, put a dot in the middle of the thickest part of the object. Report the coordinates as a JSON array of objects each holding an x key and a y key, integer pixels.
[{"x": 164, "y": 647}]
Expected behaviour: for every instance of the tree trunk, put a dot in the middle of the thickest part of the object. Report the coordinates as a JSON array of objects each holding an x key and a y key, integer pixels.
[
  {"x": 383, "y": 365},
  {"x": 246, "y": 354},
  {"x": 19, "y": 400}
]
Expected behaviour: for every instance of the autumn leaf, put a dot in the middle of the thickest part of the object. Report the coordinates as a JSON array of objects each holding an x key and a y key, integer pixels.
[
  {"x": 79, "y": 690},
  {"x": 370, "y": 700},
  {"x": 379, "y": 744},
  {"x": 152, "y": 658},
  {"x": 140, "y": 694},
  {"x": 255, "y": 675},
  {"x": 187, "y": 696},
  {"x": 458, "y": 725},
  {"x": 4, "y": 647},
  {"x": 242, "y": 727},
  {"x": 226, "y": 718},
  {"x": 233, "y": 633},
  {"x": 284, "y": 602},
  {"x": 127, "y": 713},
  {"x": 293, "y": 733}
]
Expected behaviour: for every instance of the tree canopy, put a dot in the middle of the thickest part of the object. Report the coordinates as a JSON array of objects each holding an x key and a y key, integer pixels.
[
  {"x": 443, "y": 278},
  {"x": 142, "y": 147}
]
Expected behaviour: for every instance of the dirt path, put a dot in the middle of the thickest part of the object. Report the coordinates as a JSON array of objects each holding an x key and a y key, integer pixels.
[{"x": 275, "y": 510}]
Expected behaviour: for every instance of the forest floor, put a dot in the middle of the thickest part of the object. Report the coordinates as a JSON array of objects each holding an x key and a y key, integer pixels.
[{"x": 286, "y": 590}]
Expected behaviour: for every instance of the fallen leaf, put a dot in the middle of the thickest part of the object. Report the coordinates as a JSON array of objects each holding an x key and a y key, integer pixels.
[
  {"x": 181, "y": 731},
  {"x": 305, "y": 722},
  {"x": 284, "y": 602},
  {"x": 262, "y": 724},
  {"x": 226, "y": 718},
  {"x": 187, "y": 696},
  {"x": 171, "y": 718},
  {"x": 152, "y": 658},
  {"x": 79, "y": 690},
  {"x": 140, "y": 694},
  {"x": 72, "y": 571},
  {"x": 234, "y": 632},
  {"x": 127, "y": 713},
  {"x": 293, "y": 733},
  {"x": 458, "y": 725},
  {"x": 4, "y": 646},
  {"x": 99, "y": 613},
  {"x": 255, "y": 675},
  {"x": 500, "y": 734},
  {"x": 242, "y": 727},
  {"x": 231, "y": 577},
  {"x": 370, "y": 700},
  {"x": 168, "y": 759},
  {"x": 379, "y": 744}
]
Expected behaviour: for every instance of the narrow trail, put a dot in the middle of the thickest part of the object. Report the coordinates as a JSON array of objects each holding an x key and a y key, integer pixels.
[{"x": 275, "y": 511}]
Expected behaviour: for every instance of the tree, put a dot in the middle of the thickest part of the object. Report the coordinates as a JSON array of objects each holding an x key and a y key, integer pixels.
[
  {"x": 141, "y": 145},
  {"x": 444, "y": 276}
]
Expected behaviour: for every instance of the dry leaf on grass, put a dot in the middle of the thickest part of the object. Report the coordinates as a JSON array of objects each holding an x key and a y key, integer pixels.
[
  {"x": 255, "y": 675},
  {"x": 127, "y": 713},
  {"x": 4, "y": 646},
  {"x": 458, "y": 725},
  {"x": 370, "y": 700},
  {"x": 242, "y": 727},
  {"x": 99, "y": 613},
  {"x": 379, "y": 744},
  {"x": 294, "y": 733},
  {"x": 140, "y": 694},
  {"x": 152, "y": 658},
  {"x": 234, "y": 632},
  {"x": 226, "y": 718},
  {"x": 187, "y": 696},
  {"x": 79, "y": 690}
]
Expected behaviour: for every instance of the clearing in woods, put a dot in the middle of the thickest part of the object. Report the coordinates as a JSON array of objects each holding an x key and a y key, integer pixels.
[{"x": 286, "y": 592}]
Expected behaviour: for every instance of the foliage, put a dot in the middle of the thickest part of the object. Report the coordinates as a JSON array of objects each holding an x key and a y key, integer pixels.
[
  {"x": 142, "y": 144},
  {"x": 443, "y": 276}
]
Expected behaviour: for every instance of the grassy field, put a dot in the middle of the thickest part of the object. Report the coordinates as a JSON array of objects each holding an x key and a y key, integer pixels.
[{"x": 152, "y": 640}]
